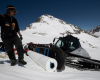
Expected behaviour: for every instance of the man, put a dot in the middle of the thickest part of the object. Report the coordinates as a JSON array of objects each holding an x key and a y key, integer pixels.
[
  {"x": 31, "y": 46},
  {"x": 9, "y": 30}
]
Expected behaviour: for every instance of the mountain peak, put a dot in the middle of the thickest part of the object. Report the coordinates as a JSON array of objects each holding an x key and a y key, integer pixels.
[
  {"x": 96, "y": 29},
  {"x": 48, "y": 24},
  {"x": 48, "y": 18},
  {"x": 43, "y": 17}
]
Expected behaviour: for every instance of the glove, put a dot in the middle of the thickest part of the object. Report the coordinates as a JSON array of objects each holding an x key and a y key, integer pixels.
[{"x": 21, "y": 38}]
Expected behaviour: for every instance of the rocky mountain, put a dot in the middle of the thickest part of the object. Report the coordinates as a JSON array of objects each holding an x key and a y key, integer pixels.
[
  {"x": 47, "y": 24},
  {"x": 95, "y": 31}
]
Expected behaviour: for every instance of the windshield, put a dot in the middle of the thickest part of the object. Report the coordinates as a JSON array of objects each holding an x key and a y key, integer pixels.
[
  {"x": 60, "y": 43},
  {"x": 70, "y": 45}
]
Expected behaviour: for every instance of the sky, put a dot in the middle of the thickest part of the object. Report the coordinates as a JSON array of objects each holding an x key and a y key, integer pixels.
[{"x": 82, "y": 13}]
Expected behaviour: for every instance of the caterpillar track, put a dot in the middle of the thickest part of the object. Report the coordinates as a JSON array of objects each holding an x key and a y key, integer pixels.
[{"x": 83, "y": 63}]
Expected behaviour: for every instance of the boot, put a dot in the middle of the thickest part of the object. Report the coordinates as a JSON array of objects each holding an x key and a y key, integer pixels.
[
  {"x": 21, "y": 61},
  {"x": 13, "y": 63}
]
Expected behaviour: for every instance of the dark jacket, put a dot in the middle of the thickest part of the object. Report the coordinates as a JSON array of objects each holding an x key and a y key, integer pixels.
[{"x": 9, "y": 26}]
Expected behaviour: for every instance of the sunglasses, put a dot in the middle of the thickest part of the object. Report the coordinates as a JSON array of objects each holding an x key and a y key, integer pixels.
[{"x": 12, "y": 9}]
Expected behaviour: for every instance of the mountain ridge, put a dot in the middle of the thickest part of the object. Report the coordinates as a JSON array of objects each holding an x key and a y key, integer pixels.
[
  {"x": 95, "y": 31},
  {"x": 51, "y": 21}
]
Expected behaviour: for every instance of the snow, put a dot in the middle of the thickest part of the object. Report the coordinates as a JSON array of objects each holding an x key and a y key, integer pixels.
[
  {"x": 97, "y": 34},
  {"x": 33, "y": 71}
]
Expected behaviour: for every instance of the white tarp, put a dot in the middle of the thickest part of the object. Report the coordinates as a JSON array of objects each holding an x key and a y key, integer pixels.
[{"x": 49, "y": 64}]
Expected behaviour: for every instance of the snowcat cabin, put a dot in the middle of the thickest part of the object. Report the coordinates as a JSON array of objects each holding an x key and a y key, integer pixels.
[{"x": 68, "y": 43}]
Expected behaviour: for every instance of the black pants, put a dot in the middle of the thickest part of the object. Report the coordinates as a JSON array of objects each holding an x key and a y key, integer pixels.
[{"x": 9, "y": 45}]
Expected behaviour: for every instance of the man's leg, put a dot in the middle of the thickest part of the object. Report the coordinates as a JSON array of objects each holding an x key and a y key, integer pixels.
[
  {"x": 8, "y": 43},
  {"x": 19, "y": 48}
]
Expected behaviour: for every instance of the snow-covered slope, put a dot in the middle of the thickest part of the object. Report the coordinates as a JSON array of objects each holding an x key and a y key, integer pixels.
[{"x": 33, "y": 71}]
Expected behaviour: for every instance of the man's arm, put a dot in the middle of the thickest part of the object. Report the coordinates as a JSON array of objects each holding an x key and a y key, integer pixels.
[
  {"x": 18, "y": 30},
  {"x": 19, "y": 33}
]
